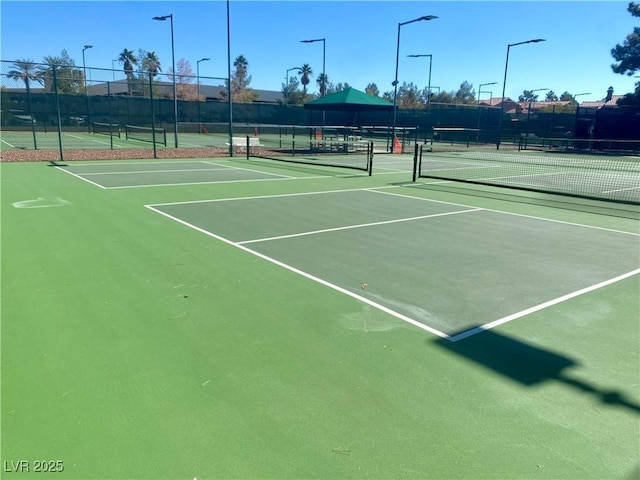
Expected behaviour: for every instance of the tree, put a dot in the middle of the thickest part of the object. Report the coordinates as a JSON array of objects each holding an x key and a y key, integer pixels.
[
  {"x": 128, "y": 60},
  {"x": 322, "y": 81},
  {"x": 306, "y": 74},
  {"x": 25, "y": 70},
  {"x": 151, "y": 64},
  {"x": 627, "y": 54},
  {"x": 567, "y": 97},
  {"x": 409, "y": 96},
  {"x": 69, "y": 78},
  {"x": 465, "y": 94},
  {"x": 185, "y": 89},
  {"x": 240, "y": 81},
  {"x": 550, "y": 96},
  {"x": 291, "y": 94},
  {"x": 372, "y": 89},
  {"x": 528, "y": 96}
]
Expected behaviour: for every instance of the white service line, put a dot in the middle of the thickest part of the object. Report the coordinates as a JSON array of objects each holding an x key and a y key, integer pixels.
[
  {"x": 307, "y": 275},
  {"x": 350, "y": 227},
  {"x": 249, "y": 170},
  {"x": 4, "y": 141},
  {"x": 131, "y": 172},
  {"x": 81, "y": 177},
  {"x": 506, "y": 213},
  {"x": 555, "y": 301}
]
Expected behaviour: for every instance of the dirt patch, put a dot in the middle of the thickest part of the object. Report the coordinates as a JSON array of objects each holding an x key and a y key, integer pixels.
[{"x": 116, "y": 154}]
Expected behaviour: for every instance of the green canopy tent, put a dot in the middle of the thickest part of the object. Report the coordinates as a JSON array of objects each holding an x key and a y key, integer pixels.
[{"x": 349, "y": 100}]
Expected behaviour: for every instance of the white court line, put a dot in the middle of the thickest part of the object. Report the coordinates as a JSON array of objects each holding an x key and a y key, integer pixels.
[
  {"x": 507, "y": 213},
  {"x": 202, "y": 183},
  {"x": 555, "y": 301},
  {"x": 4, "y": 141},
  {"x": 249, "y": 170},
  {"x": 81, "y": 177},
  {"x": 256, "y": 197},
  {"x": 74, "y": 136},
  {"x": 621, "y": 190},
  {"x": 129, "y": 172},
  {"x": 307, "y": 275},
  {"x": 398, "y": 315},
  {"x": 350, "y": 227}
]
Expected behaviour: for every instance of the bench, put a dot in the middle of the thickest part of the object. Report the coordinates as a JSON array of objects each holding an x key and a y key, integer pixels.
[{"x": 240, "y": 144}]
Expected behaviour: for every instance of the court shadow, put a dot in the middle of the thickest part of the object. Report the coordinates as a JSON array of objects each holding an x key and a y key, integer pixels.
[
  {"x": 53, "y": 163},
  {"x": 529, "y": 365}
]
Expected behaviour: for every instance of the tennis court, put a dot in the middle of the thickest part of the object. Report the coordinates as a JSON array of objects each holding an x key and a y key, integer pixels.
[{"x": 245, "y": 318}]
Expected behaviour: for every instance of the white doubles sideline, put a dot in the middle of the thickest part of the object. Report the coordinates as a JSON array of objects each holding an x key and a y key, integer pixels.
[{"x": 400, "y": 316}]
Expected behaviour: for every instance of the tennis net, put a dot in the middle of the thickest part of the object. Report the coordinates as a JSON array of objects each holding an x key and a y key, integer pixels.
[
  {"x": 611, "y": 177},
  {"x": 146, "y": 134},
  {"x": 101, "y": 128},
  {"x": 354, "y": 155}
]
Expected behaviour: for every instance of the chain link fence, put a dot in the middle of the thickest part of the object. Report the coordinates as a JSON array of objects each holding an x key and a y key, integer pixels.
[{"x": 45, "y": 98}]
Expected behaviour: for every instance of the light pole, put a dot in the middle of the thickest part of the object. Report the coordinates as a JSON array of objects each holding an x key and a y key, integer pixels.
[
  {"x": 504, "y": 84},
  {"x": 588, "y": 93},
  {"x": 480, "y": 111},
  {"x": 113, "y": 68},
  {"x": 286, "y": 86},
  {"x": 173, "y": 65},
  {"x": 323, "y": 85},
  {"x": 198, "y": 80},
  {"x": 530, "y": 102},
  {"x": 429, "y": 83},
  {"x": 484, "y": 85},
  {"x": 84, "y": 72},
  {"x": 289, "y": 70},
  {"x": 395, "y": 81}
]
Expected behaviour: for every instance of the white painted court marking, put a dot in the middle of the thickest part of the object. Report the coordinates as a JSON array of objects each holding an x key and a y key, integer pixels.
[
  {"x": 362, "y": 225},
  {"x": 455, "y": 338},
  {"x": 506, "y": 213},
  {"x": 80, "y": 177},
  {"x": 555, "y": 301},
  {"x": 130, "y": 172},
  {"x": 250, "y": 170},
  {"x": 306, "y": 275},
  {"x": 4, "y": 141}
]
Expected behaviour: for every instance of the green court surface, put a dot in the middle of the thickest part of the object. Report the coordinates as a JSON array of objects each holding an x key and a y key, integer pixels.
[{"x": 234, "y": 318}]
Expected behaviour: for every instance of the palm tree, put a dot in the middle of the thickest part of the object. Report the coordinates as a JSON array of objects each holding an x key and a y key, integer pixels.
[
  {"x": 306, "y": 73},
  {"x": 151, "y": 63},
  {"x": 322, "y": 81},
  {"x": 25, "y": 70},
  {"x": 128, "y": 60}
]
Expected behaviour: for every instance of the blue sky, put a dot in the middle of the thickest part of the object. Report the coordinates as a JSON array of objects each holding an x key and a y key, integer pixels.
[{"x": 468, "y": 41}]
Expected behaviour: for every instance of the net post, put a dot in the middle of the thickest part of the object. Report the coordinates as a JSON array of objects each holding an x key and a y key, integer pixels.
[
  {"x": 247, "y": 140},
  {"x": 370, "y": 158},
  {"x": 415, "y": 161}
]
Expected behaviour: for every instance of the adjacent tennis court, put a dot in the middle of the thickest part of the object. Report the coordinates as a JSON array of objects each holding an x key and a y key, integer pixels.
[{"x": 248, "y": 318}]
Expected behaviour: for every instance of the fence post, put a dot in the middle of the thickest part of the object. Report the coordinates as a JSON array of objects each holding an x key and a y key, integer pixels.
[{"x": 55, "y": 91}]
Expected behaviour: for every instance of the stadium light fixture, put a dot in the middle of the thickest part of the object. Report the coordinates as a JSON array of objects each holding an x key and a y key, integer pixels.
[
  {"x": 504, "y": 84},
  {"x": 84, "y": 72},
  {"x": 198, "y": 82},
  {"x": 429, "y": 83},
  {"x": 173, "y": 65},
  {"x": 395, "y": 81}
]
